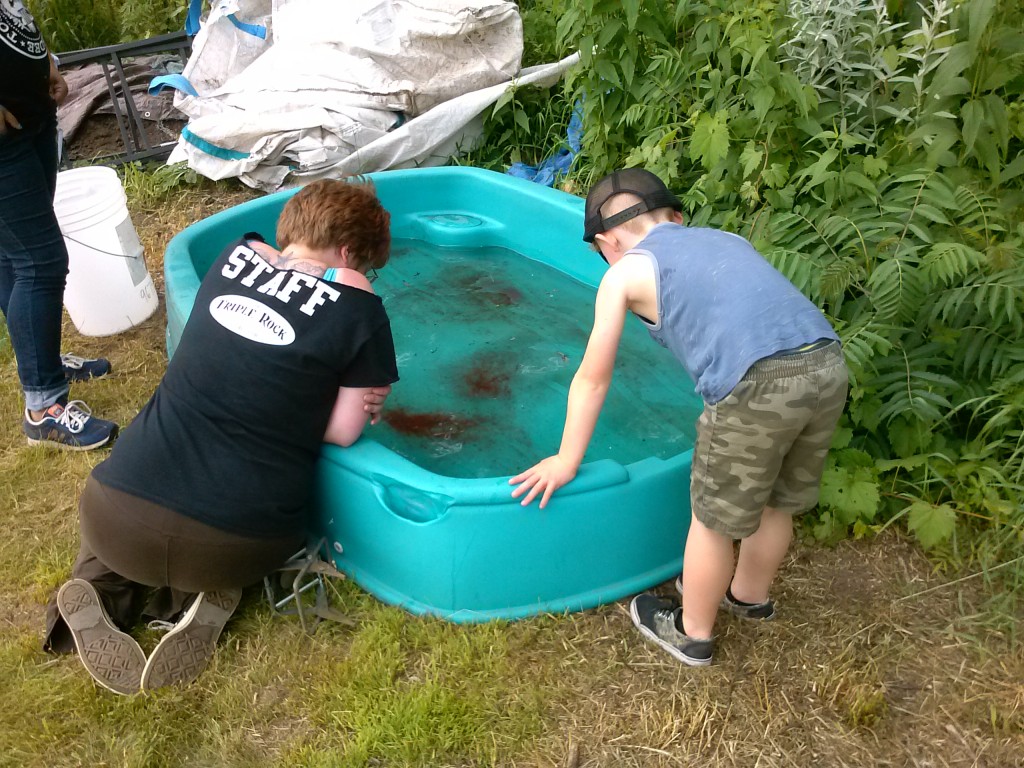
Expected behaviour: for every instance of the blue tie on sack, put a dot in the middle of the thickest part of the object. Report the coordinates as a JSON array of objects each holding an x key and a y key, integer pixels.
[
  {"x": 194, "y": 16},
  {"x": 557, "y": 164}
]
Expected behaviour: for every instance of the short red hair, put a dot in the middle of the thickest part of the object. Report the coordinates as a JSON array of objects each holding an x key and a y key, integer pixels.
[{"x": 331, "y": 213}]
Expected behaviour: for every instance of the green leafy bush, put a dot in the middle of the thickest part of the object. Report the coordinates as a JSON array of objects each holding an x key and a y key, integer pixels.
[{"x": 877, "y": 162}]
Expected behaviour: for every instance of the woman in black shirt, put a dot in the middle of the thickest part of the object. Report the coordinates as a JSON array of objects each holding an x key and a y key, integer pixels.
[{"x": 207, "y": 490}]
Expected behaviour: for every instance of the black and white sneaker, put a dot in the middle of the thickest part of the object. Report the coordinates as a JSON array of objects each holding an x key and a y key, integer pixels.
[
  {"x": 84, "y": 368},
  {"x": 655, "y": 617},
  {"x": 762, "y": 611}
]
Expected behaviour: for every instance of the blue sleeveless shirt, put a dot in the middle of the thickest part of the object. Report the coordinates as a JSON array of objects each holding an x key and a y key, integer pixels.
[{"x": 722, "y": 306}]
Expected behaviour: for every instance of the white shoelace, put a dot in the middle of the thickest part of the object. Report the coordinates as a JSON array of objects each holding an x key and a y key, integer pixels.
[
  {"x": 72, "y": 361},
  {"x": 75, "y": 415},
  {"x": 667, "y": 615}
]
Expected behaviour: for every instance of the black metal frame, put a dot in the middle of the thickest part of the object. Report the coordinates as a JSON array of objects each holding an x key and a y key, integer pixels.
[{"x": 133, "y": 131}]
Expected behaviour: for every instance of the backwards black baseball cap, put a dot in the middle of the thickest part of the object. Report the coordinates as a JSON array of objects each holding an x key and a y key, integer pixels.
[{"x": 649, "y": 188}]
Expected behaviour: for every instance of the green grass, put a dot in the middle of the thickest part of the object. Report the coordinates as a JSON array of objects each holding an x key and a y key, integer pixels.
[
  {"x": 399, "y": 690},
  {"x": 875, "y": 658},
  {"x": 71, "y": 25}
]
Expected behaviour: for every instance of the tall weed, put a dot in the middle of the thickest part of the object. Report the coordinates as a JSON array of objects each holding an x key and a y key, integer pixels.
[
  {"x": 526, "y": 125},
  {"x": 71, "y": 25}
]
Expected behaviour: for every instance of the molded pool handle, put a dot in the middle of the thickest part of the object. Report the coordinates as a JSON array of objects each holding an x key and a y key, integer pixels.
[{"x": 409, "y": 503}]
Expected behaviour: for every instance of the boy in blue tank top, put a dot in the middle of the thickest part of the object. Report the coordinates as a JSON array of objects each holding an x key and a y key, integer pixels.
[{"x": 769, "y": 368}]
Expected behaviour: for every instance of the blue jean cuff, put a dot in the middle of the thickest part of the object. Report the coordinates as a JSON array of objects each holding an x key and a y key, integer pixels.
[{"x": 41, "y": 399}]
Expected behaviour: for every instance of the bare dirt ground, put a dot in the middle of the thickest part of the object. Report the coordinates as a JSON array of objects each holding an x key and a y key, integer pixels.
[
  {"x": 874, "y": 660},
  {"x": 99, "y": 137}
]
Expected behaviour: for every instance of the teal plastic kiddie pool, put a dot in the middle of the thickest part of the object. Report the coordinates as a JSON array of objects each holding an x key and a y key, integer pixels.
[{"x": 490, "y": 292}]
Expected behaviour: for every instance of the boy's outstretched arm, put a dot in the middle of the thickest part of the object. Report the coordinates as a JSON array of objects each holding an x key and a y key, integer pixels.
[{"x": 586, "y": 396}]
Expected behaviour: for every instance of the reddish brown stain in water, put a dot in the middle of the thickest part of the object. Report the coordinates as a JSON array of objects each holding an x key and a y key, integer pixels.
[
  {"x": 486, "y": 291},
  {"x": 506, "y": 297},
  {"x": 428, "y": 424},
  {"x": 485, "y": 381}
]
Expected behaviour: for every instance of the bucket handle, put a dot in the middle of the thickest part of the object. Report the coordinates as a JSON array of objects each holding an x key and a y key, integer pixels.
[{"x": 98, "y": 250}]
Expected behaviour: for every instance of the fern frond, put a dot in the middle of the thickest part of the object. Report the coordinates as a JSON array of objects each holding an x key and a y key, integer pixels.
[
  {"x": 836, "y": 278},
  {"x": 794, "y": 246},
  {"x": 896, "y": 289},
  {"x": 793, "y": 231},
  {"x": 941, "y": 192},
  {"x": 978, "y": 215},
  {"x": 863, "y": 343},
  {"x": 845, "y": 233},
  {"x": 982, "y": 353},
  {"x": 1001, "y": 407},
  {"x": 798, "y": 267},
  {"x": 948, "y": 262},
  {"x": 995, "y": 301},
  {"x": 908, "y": 385},
  {"x": 673, "y": 68},
  {"x": 635, "y": 114}
]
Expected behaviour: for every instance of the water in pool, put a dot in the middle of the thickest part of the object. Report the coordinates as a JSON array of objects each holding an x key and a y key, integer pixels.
[{"x": 488, "y": 342}]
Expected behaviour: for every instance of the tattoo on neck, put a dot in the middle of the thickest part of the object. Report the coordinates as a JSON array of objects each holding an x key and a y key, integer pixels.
[{"x": 283, "y": 261}]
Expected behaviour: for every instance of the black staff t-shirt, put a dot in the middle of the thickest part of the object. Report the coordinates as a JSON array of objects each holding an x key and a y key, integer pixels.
[
  {"x": 24, "y": 67},
  {"x": 232, "y": 434}
]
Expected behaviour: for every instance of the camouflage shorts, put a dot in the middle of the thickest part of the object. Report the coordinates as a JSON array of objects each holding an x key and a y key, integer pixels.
[{"x": 765, "y": 443}]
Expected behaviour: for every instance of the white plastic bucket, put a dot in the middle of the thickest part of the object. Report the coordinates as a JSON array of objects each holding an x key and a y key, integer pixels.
[{"x": 109, "y": 289}]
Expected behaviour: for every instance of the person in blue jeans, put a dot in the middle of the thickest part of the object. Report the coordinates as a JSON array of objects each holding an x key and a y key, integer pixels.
[{"x": 33, "y": 257}]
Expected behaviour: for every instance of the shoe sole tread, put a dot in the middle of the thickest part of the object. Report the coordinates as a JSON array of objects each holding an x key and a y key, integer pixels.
[
  {"x": 45, "y": 441},
  {"x": 186, "y": 650},
  {"x": 112, "y": 657}
]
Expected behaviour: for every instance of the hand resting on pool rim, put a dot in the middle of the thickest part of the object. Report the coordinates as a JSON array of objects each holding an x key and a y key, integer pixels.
[
  {"x": 621, "y": 291},
  {"x": 545, "y": 477}
]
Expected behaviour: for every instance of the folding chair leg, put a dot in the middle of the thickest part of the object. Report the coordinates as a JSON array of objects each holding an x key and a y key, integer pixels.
[{"x": 310, "y": 572}]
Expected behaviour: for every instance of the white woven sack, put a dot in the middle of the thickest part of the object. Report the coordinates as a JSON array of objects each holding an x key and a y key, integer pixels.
[
  {"x": 224, "y": 46},
  {"x": 422, "y": 51}
]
